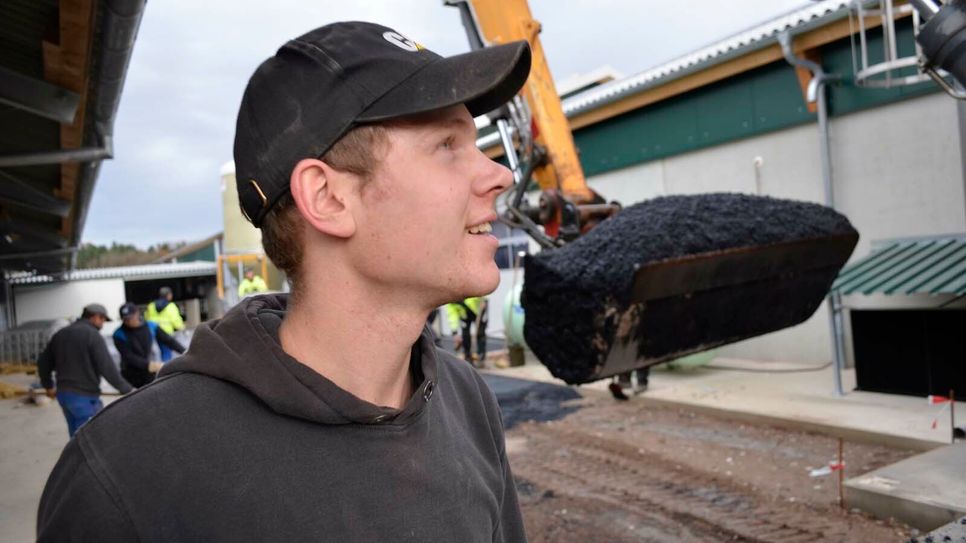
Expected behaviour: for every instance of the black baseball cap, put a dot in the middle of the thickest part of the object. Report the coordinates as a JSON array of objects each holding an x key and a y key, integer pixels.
[
  {"x": 128, "y": 309},
  {"x": 319, "y": 86}
]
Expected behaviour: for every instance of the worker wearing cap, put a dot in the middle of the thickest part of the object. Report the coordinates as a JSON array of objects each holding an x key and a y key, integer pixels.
[
  {"x": 166, "y": 315},
  {"x": 72, "y": 364},
  {"x": 463, "y": 316},
  {"x": 134, "y": 340},
  {"x": 251, "y": 284},
  {"x": 328, "y": 413}
]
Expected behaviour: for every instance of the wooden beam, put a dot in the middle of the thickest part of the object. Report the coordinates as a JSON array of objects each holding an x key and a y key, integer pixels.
[
  {"x": 806, "y": 41},
  {"x": 67, "y": 64},
  {"x": 805, "y": 76}
]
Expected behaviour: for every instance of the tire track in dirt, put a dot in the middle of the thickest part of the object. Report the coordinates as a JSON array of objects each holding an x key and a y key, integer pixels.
[{"x": 673, "y": 497}]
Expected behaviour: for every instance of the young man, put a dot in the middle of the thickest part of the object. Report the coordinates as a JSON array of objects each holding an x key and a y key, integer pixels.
[
  {"x": 77, "y": 356},
  {"x": 134, "y": 340},
  {"x": 328, "y": 414}
]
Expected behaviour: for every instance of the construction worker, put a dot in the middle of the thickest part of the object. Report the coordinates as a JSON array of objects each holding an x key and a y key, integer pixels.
[
  {"x": 463, "y": 315},
  {"x": 77, "y": 356},
  {"x": 328, "y": 413},
  {"x": 134, "y": 340},
  {"x": 251, "y": 284},
  {"x": 166, "y": 315}
]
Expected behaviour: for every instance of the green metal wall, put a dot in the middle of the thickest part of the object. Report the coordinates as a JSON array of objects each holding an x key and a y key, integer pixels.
[
  {"x": 752, "y": 103},
  {"x": 206, "y": 254}
]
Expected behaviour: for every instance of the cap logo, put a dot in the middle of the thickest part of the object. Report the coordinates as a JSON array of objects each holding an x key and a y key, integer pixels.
[{"x": 401, "y": 41}]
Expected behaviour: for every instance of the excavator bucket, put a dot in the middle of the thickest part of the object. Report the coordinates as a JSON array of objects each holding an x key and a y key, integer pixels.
[{"x": 678, "y": 275}]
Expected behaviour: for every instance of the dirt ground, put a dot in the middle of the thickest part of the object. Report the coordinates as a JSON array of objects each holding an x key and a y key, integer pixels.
[
  {"x": 626, "y": 471},
  {"x": 595, "y": 471}
]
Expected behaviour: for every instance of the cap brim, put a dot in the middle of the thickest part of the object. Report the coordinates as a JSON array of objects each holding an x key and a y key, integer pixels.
[{"x": 483, "y": 80}]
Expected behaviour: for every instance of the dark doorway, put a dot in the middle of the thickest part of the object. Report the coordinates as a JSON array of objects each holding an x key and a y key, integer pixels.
[{"x": 915, "y": 352}]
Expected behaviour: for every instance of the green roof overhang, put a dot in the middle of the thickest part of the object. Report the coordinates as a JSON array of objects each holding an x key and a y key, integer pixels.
[{"x": 933, "y": 265}]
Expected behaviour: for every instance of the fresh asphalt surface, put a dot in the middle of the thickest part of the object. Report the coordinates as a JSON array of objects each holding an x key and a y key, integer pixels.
[{"x": 522, "y": 400}]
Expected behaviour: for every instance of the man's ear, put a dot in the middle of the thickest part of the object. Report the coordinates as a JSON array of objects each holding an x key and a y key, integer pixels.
[{"x": 321, "y": 195}]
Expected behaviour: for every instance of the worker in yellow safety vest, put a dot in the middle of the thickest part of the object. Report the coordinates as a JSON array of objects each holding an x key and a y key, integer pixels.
[
  {"x": 463, "y": 315},
  {"x": 251, "y": 284},
  {"x": 166, "y": 315}
]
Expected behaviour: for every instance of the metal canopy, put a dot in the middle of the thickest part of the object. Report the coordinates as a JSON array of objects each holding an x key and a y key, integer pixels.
[
  {"x": 62, "y": 69},
  {"x": 37, "y": 97},
  {"x": 933, "y": 265}
]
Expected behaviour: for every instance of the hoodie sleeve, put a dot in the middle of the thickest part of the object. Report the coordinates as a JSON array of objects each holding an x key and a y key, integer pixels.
[
  {"x": 76, "y": 506},
  {"x": 511, "y": 527},
  {"x": 105, "y": 365},
  {"x": 169, "y": 341},
  {"x": 45, "y": 366}
]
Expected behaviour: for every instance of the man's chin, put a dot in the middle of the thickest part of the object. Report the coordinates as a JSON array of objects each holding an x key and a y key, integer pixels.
[{"x": 483, "y": 284}]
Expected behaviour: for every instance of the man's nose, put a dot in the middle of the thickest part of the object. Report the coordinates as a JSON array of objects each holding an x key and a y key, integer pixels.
[{"x": 495, "y": 178}]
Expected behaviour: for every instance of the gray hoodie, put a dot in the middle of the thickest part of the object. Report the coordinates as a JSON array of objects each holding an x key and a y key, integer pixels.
[{"x": 240, "y": 442}]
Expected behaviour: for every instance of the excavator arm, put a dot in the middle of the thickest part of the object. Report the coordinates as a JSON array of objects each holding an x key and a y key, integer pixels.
[
  {"x": 536, "y": 137},
  {"x": 660, "y": 279}
]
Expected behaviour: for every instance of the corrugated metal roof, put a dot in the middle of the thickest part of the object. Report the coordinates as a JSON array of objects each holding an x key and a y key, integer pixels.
[
  {"x": 757, "y": 37},
  {"x": 128, "y": 273},
  {"x": 934, "y": 265}
]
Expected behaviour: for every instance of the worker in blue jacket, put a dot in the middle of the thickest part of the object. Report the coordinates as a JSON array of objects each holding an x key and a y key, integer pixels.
[{"x": 134, "y": 339}]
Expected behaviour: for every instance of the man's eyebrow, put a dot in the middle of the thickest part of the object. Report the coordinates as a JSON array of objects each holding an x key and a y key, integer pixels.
[{"x": 459, "y": 123}]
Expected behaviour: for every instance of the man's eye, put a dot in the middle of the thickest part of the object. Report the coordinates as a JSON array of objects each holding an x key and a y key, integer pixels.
[{"x": 447, "y": 143}]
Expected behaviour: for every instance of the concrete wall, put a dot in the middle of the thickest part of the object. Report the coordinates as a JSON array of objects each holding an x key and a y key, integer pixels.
[
  {"x": 67, "y": 300},
  {"x": 898, "y": 169},
  {"x": 897, "y": 172}
]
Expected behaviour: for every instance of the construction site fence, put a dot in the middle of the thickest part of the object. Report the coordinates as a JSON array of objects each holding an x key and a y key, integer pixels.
[{"x": 23, "y": 346}]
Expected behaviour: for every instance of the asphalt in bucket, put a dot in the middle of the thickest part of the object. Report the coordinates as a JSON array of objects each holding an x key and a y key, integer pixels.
[{"x": 574, "y": 296}]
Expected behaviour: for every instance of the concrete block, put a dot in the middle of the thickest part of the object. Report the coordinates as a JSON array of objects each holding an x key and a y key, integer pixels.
[{"x": 925, "y": 491}]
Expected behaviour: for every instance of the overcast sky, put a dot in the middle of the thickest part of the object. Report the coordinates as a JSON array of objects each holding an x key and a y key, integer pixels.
[{"x": 176, "y": 120}]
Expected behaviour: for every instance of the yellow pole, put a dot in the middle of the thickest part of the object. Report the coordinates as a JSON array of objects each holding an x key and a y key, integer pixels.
[{"x": 503, "y": 21}]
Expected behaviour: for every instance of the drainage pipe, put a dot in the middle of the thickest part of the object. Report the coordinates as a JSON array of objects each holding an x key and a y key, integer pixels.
[{"x": 816, "y": 93}]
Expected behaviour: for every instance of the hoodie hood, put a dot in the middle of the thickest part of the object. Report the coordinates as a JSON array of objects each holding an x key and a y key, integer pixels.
[
  {"x": 243, "y": 348},
  {"x": 161, "y": 303}
]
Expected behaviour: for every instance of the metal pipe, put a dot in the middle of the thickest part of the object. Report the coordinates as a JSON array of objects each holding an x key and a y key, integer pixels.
[
  {"x": 511, "y": 154},
  {"x": 816, "y": 93},
  {"x": 85, "y": 154}
]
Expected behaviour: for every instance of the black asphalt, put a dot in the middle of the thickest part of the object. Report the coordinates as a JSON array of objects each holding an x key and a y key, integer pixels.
[{"x": 521, "y": 400}]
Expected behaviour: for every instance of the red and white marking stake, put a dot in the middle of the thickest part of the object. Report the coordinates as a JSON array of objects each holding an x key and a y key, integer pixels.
[{"x": 947, "y": 402}]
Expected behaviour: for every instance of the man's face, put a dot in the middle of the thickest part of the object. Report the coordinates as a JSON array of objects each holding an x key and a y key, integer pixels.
[
  {"x": 422, "y": 210},
  {"x": 133, "y": 320},
  {"x": 98, "y": 321}
]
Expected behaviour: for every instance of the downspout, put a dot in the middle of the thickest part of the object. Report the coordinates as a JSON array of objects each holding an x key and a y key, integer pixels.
[
  {"x": 816, "y": 93},
  {"x": 119, "y": 28}
]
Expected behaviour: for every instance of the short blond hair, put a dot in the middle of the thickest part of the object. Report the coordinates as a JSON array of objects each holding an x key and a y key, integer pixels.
[{"x": 358, "y": 152}]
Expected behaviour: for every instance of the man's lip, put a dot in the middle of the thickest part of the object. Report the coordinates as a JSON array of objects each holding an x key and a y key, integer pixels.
[{"x": 491, "y": 218}]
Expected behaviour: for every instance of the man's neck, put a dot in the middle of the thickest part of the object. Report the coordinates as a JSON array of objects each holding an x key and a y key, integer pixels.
[{"x": 363, "y": 350}]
